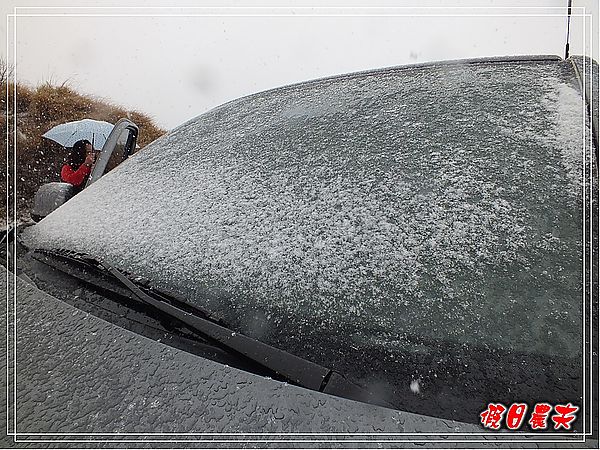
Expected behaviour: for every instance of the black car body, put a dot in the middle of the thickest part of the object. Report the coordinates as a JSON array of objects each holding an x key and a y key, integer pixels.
[{"x": 419, "y": 231}]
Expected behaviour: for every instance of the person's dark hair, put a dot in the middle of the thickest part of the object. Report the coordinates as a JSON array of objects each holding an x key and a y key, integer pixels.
[{"x": 77, "y": 155}]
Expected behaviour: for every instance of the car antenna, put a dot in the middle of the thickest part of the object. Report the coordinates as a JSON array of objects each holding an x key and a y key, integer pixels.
[{"x": 568, "y": 28}]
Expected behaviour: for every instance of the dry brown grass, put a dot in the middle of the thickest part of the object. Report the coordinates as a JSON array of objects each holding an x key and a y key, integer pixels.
[{"x": 38, "y": 109}]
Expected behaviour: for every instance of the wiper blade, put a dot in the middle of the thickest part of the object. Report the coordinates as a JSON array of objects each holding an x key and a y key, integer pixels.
[
  {"x": 304, "y": 373},
  {"x": 292, "y": 368},
  {"x": 88, "y": 262}
]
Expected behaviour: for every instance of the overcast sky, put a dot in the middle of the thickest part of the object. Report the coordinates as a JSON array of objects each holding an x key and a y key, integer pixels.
[{"x": 174, "y": 64}]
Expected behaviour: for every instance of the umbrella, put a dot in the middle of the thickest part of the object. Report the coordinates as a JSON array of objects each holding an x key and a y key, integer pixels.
[{"x": 66, "y": 134}]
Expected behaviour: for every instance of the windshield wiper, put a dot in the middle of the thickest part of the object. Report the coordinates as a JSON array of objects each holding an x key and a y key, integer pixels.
[{"x": 291, "y": 368}]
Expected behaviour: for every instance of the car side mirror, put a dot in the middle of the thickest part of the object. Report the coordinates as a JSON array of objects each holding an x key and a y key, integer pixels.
[
  {"x": 122, "y": 140},
  {"x": 49, "y": 197}
]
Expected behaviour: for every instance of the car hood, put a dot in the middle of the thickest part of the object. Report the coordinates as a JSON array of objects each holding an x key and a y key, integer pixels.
[{"x": 79, "y": 374}]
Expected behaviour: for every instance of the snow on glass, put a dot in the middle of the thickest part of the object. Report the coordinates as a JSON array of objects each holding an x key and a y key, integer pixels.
[{"x": 441, "y": 202}]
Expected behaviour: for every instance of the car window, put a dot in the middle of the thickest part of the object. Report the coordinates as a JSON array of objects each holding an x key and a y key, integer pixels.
[{"x": 407, "y": 225}]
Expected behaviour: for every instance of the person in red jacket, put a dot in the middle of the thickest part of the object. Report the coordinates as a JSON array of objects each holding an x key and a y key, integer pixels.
[{"x": 79, "y": 164}]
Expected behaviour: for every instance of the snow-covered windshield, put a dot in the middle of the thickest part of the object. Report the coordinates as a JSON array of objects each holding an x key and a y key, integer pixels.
[{"x": 364, "y": 221}]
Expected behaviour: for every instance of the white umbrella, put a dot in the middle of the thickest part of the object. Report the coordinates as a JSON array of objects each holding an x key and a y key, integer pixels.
[{"x": 66, "y": 134}]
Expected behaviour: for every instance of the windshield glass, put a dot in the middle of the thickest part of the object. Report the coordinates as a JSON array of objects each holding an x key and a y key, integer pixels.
[{"x": 408, "y": 224}]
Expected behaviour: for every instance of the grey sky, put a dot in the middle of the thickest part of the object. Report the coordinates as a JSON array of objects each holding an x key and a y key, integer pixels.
[{"x": 174, "y": 68}]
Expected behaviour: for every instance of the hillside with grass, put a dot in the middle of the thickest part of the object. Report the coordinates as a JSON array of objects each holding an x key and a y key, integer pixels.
[{"x": 39, "y": 160}]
